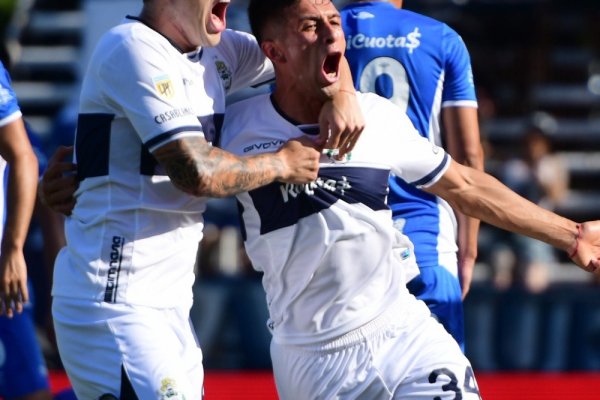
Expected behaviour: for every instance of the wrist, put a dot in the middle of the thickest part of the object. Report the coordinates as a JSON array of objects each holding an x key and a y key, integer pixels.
[
  {"x": 279, "y": 163},
  {"x": 572, "y": 252}
]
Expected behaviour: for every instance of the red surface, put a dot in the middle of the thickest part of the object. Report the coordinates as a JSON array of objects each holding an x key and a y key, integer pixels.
[
  {"x": 539, "y": 386},
  {"x": 493, "y": 386}
]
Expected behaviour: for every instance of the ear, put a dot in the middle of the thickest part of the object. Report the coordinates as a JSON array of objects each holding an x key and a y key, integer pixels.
[{"x": 273, "y": 51}]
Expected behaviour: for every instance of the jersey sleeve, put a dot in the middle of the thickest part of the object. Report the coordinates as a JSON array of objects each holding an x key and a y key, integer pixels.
[
  {"x": 251, "y": 67},
  {"x": 411, "y": 156},
  {"x": 147, "y": 88},
  {"x": 9, "y": 107},
  {"x": 459, "y": 86}
]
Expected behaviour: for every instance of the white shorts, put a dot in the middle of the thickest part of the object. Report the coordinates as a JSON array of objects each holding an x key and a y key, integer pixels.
[
  {"x": 125, "y": 351},
  {"x": 403, "y": 354}
]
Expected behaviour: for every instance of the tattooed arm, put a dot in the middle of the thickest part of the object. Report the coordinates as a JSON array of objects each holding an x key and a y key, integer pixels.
[{"x": 197, "y": 168}]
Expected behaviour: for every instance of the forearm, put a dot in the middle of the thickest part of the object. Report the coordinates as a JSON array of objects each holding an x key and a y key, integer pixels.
[
  {"x": 468, "y": 230},
  {"x": 484, "y": 197},
  {"x": 21, "y": 194},
  {"x": 346, "y": 81},
  {"x": 204, "y": 170},
  {"x": 461, "y": 136}
]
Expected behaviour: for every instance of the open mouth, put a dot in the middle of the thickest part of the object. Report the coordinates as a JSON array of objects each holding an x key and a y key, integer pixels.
[
  {"x": 218, "y": 20},
  {"x": 331, "y": 66}
]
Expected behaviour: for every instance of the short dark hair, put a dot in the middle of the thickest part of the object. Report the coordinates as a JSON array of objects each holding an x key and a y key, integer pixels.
[{"x": 261, "y": 12}]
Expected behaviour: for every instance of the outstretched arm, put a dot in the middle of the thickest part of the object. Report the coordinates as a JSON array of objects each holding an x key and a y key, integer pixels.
[
  {"x": 481, "y": 196},
  {"x": 22, "y": 181}
]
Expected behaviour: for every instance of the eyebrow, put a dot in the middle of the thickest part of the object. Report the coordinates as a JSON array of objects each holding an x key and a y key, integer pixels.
[{"x": 316, "y": 17}]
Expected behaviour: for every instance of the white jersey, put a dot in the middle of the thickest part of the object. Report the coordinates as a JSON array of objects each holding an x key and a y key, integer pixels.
[
  {"x": 326, "y": 248},
  {"x": 133, "y": 237}
]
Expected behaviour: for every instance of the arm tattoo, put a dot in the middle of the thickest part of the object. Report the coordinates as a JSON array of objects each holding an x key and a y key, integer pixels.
[{"x": 197, "y": 168}]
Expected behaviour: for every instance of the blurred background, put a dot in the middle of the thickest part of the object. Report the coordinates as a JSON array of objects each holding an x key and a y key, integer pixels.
[{"x": 537, "y": 71}]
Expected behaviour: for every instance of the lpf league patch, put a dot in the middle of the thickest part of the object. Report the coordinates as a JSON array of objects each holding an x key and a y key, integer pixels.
[{"x": 164, "y": 86}]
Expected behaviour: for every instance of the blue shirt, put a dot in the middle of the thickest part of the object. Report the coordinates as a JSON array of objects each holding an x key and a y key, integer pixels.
[{"x": 422, "y": 65}]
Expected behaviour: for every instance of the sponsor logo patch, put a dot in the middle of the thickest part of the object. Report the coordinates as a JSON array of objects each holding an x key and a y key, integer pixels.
[
  {"x": 114, "y": 267},
  {"x": 361, "y": 41},
  {"x": 290, "y": 191},
  {"x": 164, "y": 86}
]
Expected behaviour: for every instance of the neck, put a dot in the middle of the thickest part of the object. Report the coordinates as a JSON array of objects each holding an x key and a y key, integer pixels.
[
  {"x": 297, "y": 104},
  {"x": 160, "y": 19}
]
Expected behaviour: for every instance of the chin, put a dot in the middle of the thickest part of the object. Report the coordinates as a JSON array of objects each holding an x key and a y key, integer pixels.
[{"x": 210, "y": 39}]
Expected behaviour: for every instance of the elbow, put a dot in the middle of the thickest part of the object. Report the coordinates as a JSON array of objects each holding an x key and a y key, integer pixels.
[{"x": 200, "y": 186}]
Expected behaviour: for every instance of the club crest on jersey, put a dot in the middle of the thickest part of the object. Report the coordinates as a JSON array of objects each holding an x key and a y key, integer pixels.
[
  {"x": 334, "y": 156},
  {"x": 168, "y": 390},
  {"x": 164, "y": 86},
  {"x": 224, "y": 73}
]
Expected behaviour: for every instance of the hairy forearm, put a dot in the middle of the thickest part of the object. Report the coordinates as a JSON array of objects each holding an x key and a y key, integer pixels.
[
  {"x": 484, "y": 197},
  {"x": 200, "y": 169},
  {"x": 21, "y": 194}
]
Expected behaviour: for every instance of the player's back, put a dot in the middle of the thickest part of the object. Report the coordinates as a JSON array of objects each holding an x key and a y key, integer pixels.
[
  {"x": 422, "y": 65},
  {"x": 408, "y": 58}
]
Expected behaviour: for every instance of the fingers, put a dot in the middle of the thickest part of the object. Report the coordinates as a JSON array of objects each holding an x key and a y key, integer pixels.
[
  {"x": 301, "y": 159},
  {"x": 593, "y": 266},
  {"x": 60, "y": 154},
  {"x": 328, "y": 136},
  {"x": 307, "y": 141},
  {"x": 59, "y": 182},
  {"x": 348, "y": 144},
  {"x": 339, "y": 134},
  {"x": 14, "y": 295}
]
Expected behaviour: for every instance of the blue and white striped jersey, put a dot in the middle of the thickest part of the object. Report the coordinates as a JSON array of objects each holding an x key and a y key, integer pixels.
[
  {"x": 331, "y": 259},
  {"x": 133, "y": 237},
  {"x": 422, "y": 65}
]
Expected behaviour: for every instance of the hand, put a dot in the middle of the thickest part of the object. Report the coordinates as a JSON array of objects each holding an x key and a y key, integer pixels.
[
  {"x": 59, "y": 183},
  {"x": 13, "y": 287},
  {"x": 587, "y": 251},
  {"x": 301, "y": 160},
  {"x": 341, "y": 122}
]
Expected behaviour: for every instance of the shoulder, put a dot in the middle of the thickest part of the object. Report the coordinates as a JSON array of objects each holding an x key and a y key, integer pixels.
[
  {"x": 131, "y": 36},
  {"x": 375, "y": 106},
  {"x": 9, "y": 107},
  {"x": 130, "y": 46},
  {"x": 240, "y": 117},
  {"x": 4, "y": 77},
  {"x": 233, "y": 42},
  {"x": 382, "y": 115},
  {"x": 248, "y": 105}
]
